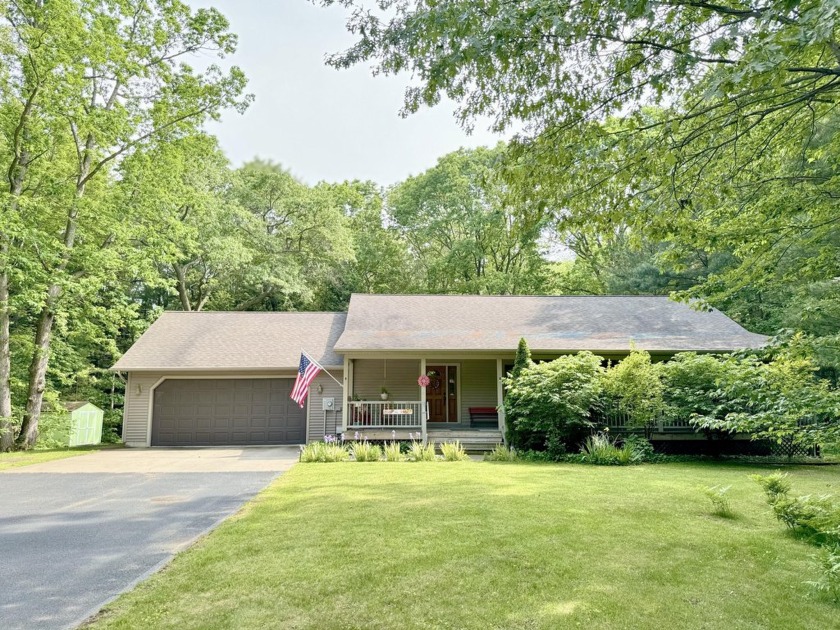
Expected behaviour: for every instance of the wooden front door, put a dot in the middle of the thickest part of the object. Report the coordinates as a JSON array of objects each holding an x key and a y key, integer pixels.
[{"x": 442, "y": 393}]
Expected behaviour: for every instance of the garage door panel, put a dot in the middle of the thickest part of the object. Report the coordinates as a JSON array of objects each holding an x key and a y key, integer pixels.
[{"x": 197, "y": 412}]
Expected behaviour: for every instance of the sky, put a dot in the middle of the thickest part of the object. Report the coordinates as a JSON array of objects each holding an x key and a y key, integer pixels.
[{"x": 319, "y": 122}]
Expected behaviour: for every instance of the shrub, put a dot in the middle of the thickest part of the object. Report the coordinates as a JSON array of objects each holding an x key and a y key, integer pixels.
[
  {"x": 453, "y": 451},
  {"x": 501, "y": 454},
  {"x": 324, "y": 452},
  {"x": 775, "y": 486},
  {"x": 549, "y": 403},
  {"x": 719, "y": 497},
  {"x": 633, "y": 387},
  {"x": 600, "y": 449},
  {"x": 641, "y": 448},
  {"x": 364, "y": 451},
  {"x": 829, "y": 581},
  {"x": 419, "y": 452},
  {"x": 393, "y": 452}
]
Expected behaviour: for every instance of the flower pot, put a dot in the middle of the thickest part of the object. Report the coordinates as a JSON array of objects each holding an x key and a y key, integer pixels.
[{"x": 383, "y": 396}]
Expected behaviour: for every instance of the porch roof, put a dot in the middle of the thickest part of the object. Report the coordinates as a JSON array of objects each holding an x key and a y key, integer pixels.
[{"x": 548, "y": 323}]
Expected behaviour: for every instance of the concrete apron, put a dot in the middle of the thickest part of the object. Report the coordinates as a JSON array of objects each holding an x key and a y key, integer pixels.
[{"x": 172, "y": 460}]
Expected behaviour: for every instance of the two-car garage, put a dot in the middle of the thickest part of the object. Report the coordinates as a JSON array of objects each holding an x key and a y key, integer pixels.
[
  {"x": 224, "y": 379},
  {"x": 222, "y": 412}
]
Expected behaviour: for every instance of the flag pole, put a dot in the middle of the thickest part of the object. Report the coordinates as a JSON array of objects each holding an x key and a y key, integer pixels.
[{"x": 323, "y": 369}]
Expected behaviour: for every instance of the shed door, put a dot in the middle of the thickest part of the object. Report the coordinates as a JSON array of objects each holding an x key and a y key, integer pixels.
[{"x": 221, "y": 412}]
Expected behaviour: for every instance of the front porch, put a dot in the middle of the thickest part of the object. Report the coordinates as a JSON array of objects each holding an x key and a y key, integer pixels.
[{"x": 462, "y": 400}]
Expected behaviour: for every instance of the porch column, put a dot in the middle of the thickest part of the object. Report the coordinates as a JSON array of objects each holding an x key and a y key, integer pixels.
[
  {"x": 346, "y": 388},
  {"x": 423, "y": 403},
  {"x": 500, "y": 398}
]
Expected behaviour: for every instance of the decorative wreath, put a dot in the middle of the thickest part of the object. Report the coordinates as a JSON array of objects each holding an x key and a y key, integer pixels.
[{"x": 423, "y": 381}]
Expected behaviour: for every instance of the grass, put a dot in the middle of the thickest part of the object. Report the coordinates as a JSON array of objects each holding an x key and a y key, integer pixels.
[
  {"x": 493, "y": 545},
  {"x": 27, "y": 458}
]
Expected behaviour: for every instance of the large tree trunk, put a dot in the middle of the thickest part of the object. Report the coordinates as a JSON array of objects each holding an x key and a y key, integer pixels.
[
  {"x": 43, "y": 334},
  {"x": 6, "y": 428},
  {"x": 38, "y": 371}
]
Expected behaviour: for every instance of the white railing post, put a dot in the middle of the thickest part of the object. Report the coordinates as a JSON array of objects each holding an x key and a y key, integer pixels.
[{"x": 500, "y": 399}]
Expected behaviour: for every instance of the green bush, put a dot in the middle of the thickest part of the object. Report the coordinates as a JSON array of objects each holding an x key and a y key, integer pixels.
[
  {"x": 324, "y": 452},
  {"x": 501, "y": 453},
  {"x": 419, "y": 452},
  {"x": 829, "y": 582},
  {"x": 719, "y": 497},
  {"x": 775, "y": 486},
  {"x": 393, "y": 452},
  {"x": 641, "y": 447},
  {"x": 364, "y": 451},
  {"x": 453, "y": 451},
  {"x": 549, "y": 404},
  {"x": 601, "y": 450},
  {"x": 634, "y": 388}
]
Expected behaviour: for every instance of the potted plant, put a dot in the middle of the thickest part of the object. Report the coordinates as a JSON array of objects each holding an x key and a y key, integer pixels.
[{"x": 383, "y": 394}]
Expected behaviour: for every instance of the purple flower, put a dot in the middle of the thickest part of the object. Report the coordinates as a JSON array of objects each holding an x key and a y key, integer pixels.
[{"x": 356, "y": 436}]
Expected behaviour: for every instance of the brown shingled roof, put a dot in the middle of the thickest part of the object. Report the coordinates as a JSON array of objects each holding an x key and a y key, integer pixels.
[
  {"x": 234, "y": 341},
  {"x": 552, "y": 323}
]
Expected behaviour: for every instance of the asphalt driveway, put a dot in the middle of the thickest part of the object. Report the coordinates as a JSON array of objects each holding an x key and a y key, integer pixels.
[{"x": 77, "y": 532}]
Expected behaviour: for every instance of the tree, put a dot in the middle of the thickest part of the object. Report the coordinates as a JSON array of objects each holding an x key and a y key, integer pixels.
[
  {"x": 523, "y": 359},
  {"x": 633, "y": 387},
  {"x": 466, "y": 234},
  {"x": 548, "y": 405},
  {"x": 122, "y": 85},
  {"x": 707, "y": 130},
  {"x": 779, "y": 400}
]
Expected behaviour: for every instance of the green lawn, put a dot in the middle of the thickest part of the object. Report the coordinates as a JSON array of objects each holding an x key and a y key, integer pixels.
[
  {"x": 25, "y": 458},
  {"x": 484, "y": 545}
]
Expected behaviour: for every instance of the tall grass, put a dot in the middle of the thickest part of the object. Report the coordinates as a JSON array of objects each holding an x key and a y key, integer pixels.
[
  {"x": 364, "y": 451},
  {"x": 419, "y": 452},
  {"x": 324, "y": 452},
  {"x": 501, "y": 454},
  {"x": 393, "y": 452},
  {"x": 453, "y": 451},
  {"x": 600, "y": 449}
]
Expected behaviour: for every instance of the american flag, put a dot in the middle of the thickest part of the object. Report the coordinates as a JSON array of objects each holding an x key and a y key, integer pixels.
[{"x": 307, "y": 371}]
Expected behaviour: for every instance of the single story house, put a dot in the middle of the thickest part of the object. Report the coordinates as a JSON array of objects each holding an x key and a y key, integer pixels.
[{"x": 224, "y": 378}]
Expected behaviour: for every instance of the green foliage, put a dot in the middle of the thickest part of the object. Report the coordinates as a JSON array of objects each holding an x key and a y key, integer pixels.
[
  {"x": 634, "y": 387},
  {"x": 466, "y": 233},
  {"x": 551, "y": 400},
  {"x": 780, "y": 400},
  {"x": 365, "y": 451},
  {"x": 640, "y": 446},
  {"x": 775, "y": 486},
  {"x": 453, "y": 451},
  {"x": 324, "y": 452},
  {"x": 602, "y": 450},
  {"x": 829, "y": 581},
  {"x": 719, "y": 497},
  {"x": 393, "y": 451},
  {"x": 522, "y": 360},
  {"x": 419, "y": 452},
  {"x": 501, "y": 453}
]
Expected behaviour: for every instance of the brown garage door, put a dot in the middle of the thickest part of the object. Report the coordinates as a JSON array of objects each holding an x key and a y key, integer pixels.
[{"x": 217, "y": 412}]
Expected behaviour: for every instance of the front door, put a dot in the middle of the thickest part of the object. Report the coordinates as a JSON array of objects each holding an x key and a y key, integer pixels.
[{"x": 442, "y": 393}]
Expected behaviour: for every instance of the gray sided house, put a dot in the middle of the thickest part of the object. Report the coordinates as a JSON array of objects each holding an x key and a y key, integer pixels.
[{"x": 198, "y": 379}]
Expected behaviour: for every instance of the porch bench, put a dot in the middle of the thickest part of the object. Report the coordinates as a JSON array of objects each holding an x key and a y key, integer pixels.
[{"x": 484, "y": 417}]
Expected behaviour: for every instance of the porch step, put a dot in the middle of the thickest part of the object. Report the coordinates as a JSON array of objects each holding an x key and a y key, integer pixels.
[{"x": 474, "y": 441}]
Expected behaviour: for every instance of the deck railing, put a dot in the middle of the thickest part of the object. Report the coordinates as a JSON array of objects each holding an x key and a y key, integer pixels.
[
  {"x": 385, "y": 414},
  {"x": 619, "y": 420}
]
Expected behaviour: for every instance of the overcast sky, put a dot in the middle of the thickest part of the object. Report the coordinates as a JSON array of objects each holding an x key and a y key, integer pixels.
[{"x": 322, "y": 123}]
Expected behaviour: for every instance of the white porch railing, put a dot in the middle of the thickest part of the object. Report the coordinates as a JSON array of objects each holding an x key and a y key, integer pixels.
[{"x": 385, "y": 414}]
